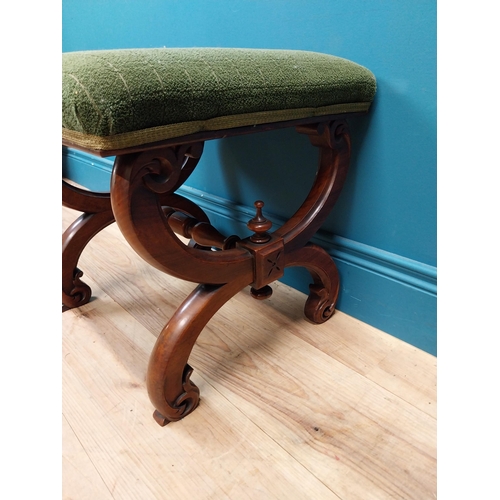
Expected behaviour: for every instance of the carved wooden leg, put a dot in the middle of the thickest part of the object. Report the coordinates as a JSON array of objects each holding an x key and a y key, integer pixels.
[
  {"x": 324, "y": 292},
  {"x": 172, "y": 393},
  {"x": 97, "y": 215},
  {"x": 150, "y": 215},
  {"x": 333, "y": 140}
]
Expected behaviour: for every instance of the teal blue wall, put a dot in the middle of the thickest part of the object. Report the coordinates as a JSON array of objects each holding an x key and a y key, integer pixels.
[{"x": 382, "y": 232}]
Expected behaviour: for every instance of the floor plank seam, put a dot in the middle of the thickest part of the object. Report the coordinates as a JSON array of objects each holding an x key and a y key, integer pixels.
[
  {"x": 88, "y": 456},
  {"x": 279, "y": 445}
]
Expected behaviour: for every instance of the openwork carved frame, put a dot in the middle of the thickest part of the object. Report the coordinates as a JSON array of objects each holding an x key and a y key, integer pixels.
[{"x": 150, "y": 215}]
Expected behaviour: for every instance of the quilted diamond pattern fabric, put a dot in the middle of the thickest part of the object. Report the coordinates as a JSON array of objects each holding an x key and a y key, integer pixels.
[{"x": 120, "y": 98}]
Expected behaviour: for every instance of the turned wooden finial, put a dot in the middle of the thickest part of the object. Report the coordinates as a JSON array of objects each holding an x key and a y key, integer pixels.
[{"x": 259, "y": 225}]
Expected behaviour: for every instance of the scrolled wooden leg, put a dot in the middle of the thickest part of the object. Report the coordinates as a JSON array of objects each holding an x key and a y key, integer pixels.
[
  {"x": 334, "y": 143},
  {"x": 97, "y": 215},
  {"x": 324, "y": 292},
  {"x": 169, "y": 386},
  {"x": 75, "y": 292}
]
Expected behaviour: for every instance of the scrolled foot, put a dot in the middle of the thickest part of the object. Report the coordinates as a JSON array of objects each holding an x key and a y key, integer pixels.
[
  {"x": 185, "y": 403},
  {"x": 79, "y": 295},
  {"x": 320, "y": 306},
  {"x": 323, "y": 293}
]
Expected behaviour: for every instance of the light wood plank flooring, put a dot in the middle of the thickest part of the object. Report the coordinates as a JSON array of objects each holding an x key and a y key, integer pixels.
[{"x": 289, "y": 410}]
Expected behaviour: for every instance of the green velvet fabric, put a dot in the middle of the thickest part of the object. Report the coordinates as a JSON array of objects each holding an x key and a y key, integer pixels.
[{"x": 111, "y": 92}]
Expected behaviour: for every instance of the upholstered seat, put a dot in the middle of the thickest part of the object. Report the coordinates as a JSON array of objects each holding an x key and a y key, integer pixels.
[{"x": 114, "y": 99}]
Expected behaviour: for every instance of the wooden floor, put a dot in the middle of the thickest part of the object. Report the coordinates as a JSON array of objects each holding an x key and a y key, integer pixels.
[{"x": 289, "y": 410}]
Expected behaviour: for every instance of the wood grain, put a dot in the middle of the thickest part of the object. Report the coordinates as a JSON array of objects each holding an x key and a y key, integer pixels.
[{"x": 288, "y": 409}]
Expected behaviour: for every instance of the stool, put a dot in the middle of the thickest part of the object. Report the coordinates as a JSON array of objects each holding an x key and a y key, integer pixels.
[{"x": 153, "y": 109}]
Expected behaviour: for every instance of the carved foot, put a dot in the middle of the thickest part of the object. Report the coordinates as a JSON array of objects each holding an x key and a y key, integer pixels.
[
  {"x": 79, "y": 295},
  {"x": 169, "y": 386},
  {"x": 75, "y": 292},
  {"x": 186, "y": 403},
  {"x": 324, "y": 292},
  {"x": 320, "y": 305}
]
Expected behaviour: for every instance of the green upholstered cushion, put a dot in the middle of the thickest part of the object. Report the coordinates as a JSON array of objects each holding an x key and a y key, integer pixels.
[{"x": 119, "y": 98}]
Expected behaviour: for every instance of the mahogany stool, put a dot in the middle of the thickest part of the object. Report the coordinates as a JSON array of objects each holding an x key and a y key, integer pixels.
[{"x": 153, "y": 109}]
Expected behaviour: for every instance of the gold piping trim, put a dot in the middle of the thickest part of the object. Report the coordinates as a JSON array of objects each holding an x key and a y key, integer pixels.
[{"x": 154, "y": 134}]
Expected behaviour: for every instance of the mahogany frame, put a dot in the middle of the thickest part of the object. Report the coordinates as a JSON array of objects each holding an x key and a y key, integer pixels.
[{"x": 150, "y": 215}]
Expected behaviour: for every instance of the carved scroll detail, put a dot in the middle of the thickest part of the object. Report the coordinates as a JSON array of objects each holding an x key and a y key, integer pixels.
[
  {"x": 142, "y": 190},
  {"x": 78, "y": 295},
  {"x": 186, "y": 402},
  {"x": 324, "y": 292},
  {"x": 320, "y": 305},
  {"x": 166, "y": 172}
]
